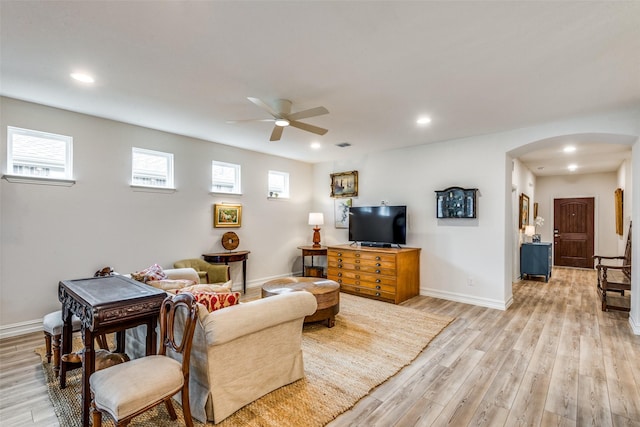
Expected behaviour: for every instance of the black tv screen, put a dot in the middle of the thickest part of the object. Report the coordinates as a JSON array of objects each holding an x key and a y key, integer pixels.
[{"x": 378, "y": 224}]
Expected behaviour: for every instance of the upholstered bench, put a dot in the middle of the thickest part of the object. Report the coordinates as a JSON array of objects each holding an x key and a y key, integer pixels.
[{"x": 326, "y": 292}]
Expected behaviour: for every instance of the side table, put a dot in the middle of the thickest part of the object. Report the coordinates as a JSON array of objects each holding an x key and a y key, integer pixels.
[
  {"x": 227, "y": 257},
  {"x": 312, "y": 270}
]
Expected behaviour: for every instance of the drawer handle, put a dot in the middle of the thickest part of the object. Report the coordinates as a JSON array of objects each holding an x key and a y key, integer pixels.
[
  {"x": 339, "y": 274},
  {"x": 339, "y": 280},
  {"x": 357, "y": 261},
  {"x": 377, "y": 258},
  {"x": 377, "y": 294},
  {"x": 357, "y": 276},
  {"x": 378, "y": 287},
  {"x": 339, "y": 253},
  {"x": 339, "y": 259},
  {"x": 357, "y": 282},
  {"x": 357, "y": 267},
  {"x": 357, "y": 289},
  {"x": 378, "y": 265},
  {"x": 339, "y": 265},
  {"x": 357, "y": 254},
  {"x": 377, "y": 280},
  {"x": 378, "y": 271}
]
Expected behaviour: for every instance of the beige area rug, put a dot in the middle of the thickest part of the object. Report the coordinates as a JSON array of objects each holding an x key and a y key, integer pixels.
[{"x": 370, "y": 342}]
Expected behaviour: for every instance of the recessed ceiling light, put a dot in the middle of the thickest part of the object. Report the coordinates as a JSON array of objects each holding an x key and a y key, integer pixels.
[
  {"x": 569, "y": 149},
  {"x": 424, "y": 120},
  {"x": 81, "y": 77},
  {"x": 572, "y": 167},
  {"x": 315, "y": 145}
]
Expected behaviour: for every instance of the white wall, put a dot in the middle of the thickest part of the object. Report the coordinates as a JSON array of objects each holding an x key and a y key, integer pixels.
[
  {"x": 600, "y": 186},
  {"x": 51, "y": 233},
  {"x": 453, "y": 251}
]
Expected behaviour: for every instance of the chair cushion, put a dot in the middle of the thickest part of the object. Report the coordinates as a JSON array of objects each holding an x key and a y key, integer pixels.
[
  {"x": 52, "y": 323},
  {"x": 170, "y": 284},
  {"x": 218, "y": 287},
  {"x": 213, "y": 300},
  {"x": 124, "y": 389}
]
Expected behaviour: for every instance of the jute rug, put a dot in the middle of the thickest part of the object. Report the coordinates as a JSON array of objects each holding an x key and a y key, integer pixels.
[{"x": 370, "y": 342}]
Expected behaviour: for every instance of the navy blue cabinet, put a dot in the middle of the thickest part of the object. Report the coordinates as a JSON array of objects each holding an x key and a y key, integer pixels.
[{"x": 535, "y": 260}]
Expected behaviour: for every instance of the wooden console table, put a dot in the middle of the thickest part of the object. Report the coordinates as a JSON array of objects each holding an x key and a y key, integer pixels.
[
  {"x": 312, "y": 270},
  {"x": 226, "y": 258},
  {"x": 105, "y": 305}
]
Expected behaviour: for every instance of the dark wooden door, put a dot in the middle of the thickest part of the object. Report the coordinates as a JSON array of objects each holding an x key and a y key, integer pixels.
[{"x": 573, "y": 232}]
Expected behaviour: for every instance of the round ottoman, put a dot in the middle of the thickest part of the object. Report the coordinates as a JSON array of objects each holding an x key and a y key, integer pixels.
[{"x": 327, "y": 293}]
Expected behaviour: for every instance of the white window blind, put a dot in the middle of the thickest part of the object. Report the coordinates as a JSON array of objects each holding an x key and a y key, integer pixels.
[
  {"x": 152, "y": 168},
  {"x": 39, "y": 154},
  {"x": 225, "y": 178}
]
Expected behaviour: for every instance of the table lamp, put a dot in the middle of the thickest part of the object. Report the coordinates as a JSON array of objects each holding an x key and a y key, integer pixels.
[
  {"x": 530, "y": 230},
  {"x": 316, "y": 218}
]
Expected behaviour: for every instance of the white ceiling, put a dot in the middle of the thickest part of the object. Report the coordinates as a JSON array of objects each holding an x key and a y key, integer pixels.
[{"x": 187, "y": 67}]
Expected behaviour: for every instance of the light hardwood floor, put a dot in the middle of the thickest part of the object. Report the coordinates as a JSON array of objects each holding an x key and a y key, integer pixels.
[{"x": 552, "y": 358}]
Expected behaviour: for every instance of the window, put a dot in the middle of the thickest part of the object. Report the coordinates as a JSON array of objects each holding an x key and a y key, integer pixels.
[
  {"x": 39, "y": 154},
  {"x": 278, "y": 184},
  {"x": 225, "y": 178},
  {"x": 152, "y": 168}
]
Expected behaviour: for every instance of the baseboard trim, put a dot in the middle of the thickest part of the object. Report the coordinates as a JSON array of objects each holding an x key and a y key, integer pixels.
[
  {"x": 635, "y": 325},
  {"x": 467, "y": 299},
  {"x": 22, "y": 328}
]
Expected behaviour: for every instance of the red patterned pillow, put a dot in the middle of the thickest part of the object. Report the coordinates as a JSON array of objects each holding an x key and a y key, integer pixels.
[
  {"x": 215, "y": 301},
  {"x": 153, "y": 272}
]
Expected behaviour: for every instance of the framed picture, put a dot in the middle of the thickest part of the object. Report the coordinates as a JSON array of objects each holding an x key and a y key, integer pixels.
[
  {"x": 524, "y": 210},
  {"x": 342, "y": 212},
  {"x": 227, "y": 216},
  {"x": 618, "y": 196},
  {"x": 344, "y": 184},
  {"x": 535, "y": 210}
]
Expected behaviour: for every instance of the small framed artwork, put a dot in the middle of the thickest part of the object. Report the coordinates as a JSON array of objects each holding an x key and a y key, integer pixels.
[
  {"x": 342, "y": 212},
  {"x": 524, "y": 210},
  {"x": 344, "y": 184},
  {"x": 227, "y": 216}
]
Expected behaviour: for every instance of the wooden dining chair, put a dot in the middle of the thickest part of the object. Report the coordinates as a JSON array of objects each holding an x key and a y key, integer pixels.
[{"x": 127, "y": 390}]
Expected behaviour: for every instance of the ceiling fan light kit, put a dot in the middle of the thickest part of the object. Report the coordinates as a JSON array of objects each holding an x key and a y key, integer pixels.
[{"x": 282, "y": 117}]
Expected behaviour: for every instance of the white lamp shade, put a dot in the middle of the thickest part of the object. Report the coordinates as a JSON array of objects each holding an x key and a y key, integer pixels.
[
  {"x": 530, "y": 230},
  {"x": 316, "y": 218}
]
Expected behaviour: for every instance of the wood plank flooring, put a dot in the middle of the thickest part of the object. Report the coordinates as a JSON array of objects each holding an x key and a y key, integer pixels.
[{"x": 553, "y": 358}]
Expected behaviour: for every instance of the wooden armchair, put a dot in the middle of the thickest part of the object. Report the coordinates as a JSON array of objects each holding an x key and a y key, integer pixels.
[{"x": 614, "y": 278}]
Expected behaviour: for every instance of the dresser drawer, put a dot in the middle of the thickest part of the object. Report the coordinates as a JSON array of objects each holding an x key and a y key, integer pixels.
[
  {"x": 372, "y": 293},
  {"x": 378, "y": 287},
  {"x": 362, "y": 255},
  {"x": 376, "y": 279}
]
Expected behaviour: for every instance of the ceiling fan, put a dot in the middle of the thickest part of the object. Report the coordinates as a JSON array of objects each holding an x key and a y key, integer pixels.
[{"x": 282, "y": 117}]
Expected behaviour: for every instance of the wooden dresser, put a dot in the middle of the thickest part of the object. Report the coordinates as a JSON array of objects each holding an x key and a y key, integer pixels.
[{"x": 386, "y": 274}]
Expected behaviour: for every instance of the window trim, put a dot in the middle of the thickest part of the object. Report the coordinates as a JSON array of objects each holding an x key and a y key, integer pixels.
[
  {"x": 238, "y": 178},
  {"x": 169, "y": 187}
]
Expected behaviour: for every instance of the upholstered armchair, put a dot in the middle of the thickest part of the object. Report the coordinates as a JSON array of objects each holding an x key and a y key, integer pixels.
[{"x": 208, "y": 273}]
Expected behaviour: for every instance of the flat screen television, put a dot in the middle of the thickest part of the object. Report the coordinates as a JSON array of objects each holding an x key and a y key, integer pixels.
[{"x": 378, "y": 225}]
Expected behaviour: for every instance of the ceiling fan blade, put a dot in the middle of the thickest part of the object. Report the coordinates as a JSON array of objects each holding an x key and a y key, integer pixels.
[
  {"x": 250, "y": 120},
  {"x": 277, "y": 133},
  {"x": 264, "y": 106},
  {"x": 311, "y": 112},
  {"x": 308, "y": 127}
]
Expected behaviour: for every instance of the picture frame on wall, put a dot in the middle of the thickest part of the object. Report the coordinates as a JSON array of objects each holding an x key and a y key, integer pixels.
[
  {"x": 227, "y": 216},
  {"x": 524, "y": 210},
  {"x": 342, "y": 212},
  {"x": 344, "y": 184}
]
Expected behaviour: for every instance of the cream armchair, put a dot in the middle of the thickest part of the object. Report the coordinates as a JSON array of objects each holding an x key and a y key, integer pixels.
[
  {"x": 240, "y": 353},
  {"x": 208, "y": 273}
]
